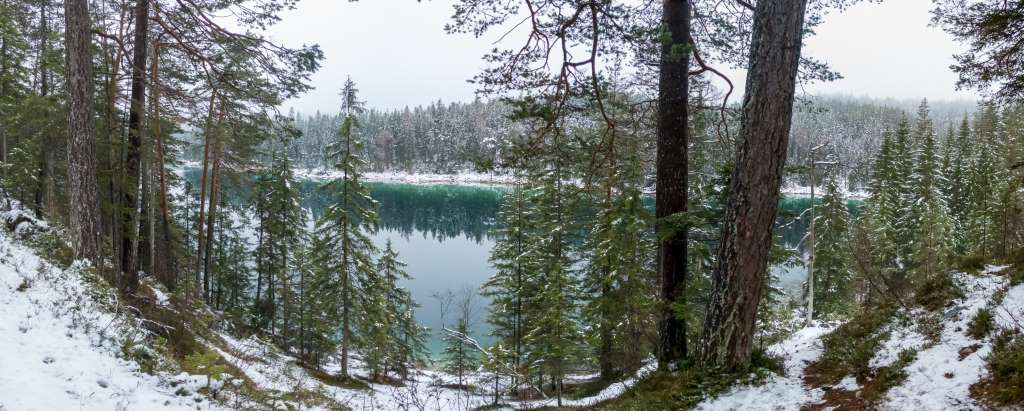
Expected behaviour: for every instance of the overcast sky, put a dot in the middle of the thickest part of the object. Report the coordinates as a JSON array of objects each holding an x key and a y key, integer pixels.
[{"x": 398, "y": 53}]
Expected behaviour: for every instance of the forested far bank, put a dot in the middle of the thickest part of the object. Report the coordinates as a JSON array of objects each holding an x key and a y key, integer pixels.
[{"x": 452, "y": 138}]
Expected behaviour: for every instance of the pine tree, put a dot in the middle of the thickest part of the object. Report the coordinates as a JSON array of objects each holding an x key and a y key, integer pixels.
[{"x": 346, "y": 223}]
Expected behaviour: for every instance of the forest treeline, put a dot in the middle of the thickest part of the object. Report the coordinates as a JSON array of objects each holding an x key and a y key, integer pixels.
[
  {"x": 100, "y": 101},
  {"x": 459, "y": 137}
]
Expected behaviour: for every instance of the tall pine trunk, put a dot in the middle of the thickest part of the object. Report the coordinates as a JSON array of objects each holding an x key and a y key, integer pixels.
[
  {"x": 164, "y": 263},
  {"x": 671, "y": 185},
  {"x": 133, "y": 169},
  {"x": 746, "y": 237},
  {"x": 211, "y": 218},
  {"x": 200, "y": 220},
  {"x": 82, "y": 185}
]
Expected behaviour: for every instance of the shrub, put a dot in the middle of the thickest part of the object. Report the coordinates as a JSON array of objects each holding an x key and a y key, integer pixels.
[
  {"x": 1006, "y": 365},
  {"x": 981, "y": 325},
  {"x": 896, "y": 373},
  {"x": 850, "y": 348},
  {"x": 206, "y": 363},
  {"x": 936, "y": 292},
  {"x": 971, "y": 263}
]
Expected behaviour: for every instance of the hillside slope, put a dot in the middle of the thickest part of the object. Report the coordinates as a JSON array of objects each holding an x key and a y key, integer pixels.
[
  {"x": 946, "y": 359},
  {"x": 61, "y": 345}
]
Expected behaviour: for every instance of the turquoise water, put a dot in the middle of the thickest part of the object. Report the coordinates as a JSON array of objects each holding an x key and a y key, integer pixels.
[{"x": 443, "y": 233}]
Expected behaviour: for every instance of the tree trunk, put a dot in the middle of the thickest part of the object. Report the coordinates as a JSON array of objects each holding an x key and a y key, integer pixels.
[
  {"x": 746, "y": 237},
  {"x": 82, "y": 185},
  {"x": 164, "y": 262},
  {"x": 133, "y": 169},
  {"x": 200, "y": 220},
  {"x": 671, "y": 185},
  {"x": 211, "y": 219}
]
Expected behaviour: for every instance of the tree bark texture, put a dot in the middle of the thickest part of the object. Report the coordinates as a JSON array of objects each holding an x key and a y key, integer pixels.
[
  {"x": 671, "y": 184},
  {"x": 133, "y": 169},
  {"x": 746, "y": 237},
  {"x": 82, "y": 185}
]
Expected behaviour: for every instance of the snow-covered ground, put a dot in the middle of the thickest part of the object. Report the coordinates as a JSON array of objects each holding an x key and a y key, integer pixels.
[
  {"x": 786, "y": 392},
  {"x": 59, "y": 348},
  {"x": 460, "y": 178},
  {"x": 938, "y": 379},
  {"x": 796, "y": 190},
  {"x": 273, "y": 370}
]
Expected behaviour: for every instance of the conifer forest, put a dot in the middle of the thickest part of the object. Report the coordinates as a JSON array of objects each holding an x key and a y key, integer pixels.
[{"x": 511, "y": 204}]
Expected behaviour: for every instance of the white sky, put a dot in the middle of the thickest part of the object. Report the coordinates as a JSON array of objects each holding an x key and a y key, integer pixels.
[{"x": 398, "y": 53}]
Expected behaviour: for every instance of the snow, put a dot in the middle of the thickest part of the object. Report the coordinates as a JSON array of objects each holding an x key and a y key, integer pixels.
[
  {"x": 938, "y": 379},
  {"x": 848, "y": 384},
  {"x": 270, "y": 369},
  {"x": 461, "y": 178},
  {"x": 900, "y": 338},
  {"x": 796, "y": 190},
  {"x": 1010, "y": 314},
  {"x": 59, "y": 347},
  {"x": 779, "y": 392}
]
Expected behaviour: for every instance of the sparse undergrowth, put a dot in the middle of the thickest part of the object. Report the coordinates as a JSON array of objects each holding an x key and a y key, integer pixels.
[
  {"x": 1005, "y": 384},
  {"x": 981, "y": 325},
  {"x": 849, "y": 349},
  {"x": 167, "y": 339},
  {"x": 689, "y": 386},
  {"x": 937, "y": 292}
]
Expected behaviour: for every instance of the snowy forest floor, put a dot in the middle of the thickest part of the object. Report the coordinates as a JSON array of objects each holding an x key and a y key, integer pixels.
[
  {"x": 916, "y": 359},
  {"x": 70, "y": 343}
]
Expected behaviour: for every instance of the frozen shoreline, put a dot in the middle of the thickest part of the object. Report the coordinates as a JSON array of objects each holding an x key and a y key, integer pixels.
[{"x": 471, "y": 178}]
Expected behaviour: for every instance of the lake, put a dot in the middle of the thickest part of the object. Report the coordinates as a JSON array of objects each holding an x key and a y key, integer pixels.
[{"x": 443, "y": 233}]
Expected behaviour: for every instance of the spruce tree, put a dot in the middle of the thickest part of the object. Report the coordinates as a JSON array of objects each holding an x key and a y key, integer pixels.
[
  {"x": 510, "y": 287},
  {"x": 958, "y": 181},
  {"x": 319, "y": 313},
  {"x": 932, "y": 239},
  {"x": 875, "y": 233},
  {"x": 282, "y": 224},
  {"x": 555, "y": 332},
  {"x": 619, "y": 260},
  {"x": 347, "y": 222},
  {"x": 833, "y": 276},
  {"x": 982, "y": 213},
  {"x": 230, "y": 265},
  {"x": 899, "y": 187}
]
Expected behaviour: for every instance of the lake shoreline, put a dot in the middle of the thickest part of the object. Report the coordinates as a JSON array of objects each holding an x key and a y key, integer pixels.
[{"x": 503, "y": 180}]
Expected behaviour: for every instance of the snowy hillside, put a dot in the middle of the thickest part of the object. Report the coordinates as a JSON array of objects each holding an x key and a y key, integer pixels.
[
  {"x": 67, "y": 338},
  {"x": 946, "y": 363},
  {"x": 61, "y": 345}
]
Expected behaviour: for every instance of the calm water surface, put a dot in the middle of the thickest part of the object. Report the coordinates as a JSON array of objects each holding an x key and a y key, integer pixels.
[{"x": 442, "y": 232}]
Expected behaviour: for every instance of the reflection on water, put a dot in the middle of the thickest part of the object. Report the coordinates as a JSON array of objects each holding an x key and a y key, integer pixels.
[{"x": 443, "y": 233}]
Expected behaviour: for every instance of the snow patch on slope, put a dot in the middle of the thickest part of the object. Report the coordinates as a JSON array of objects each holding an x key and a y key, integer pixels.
[
  {"x": 779, "y": 392},
  {"x": 938, "y": 379},
  {"x": 58, "y": 347},
  {"x": 900, "y": 338}
]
